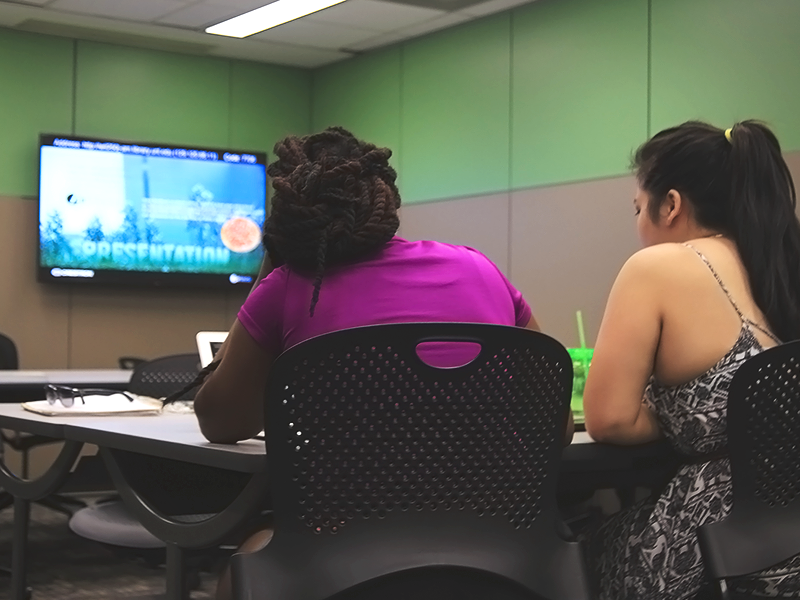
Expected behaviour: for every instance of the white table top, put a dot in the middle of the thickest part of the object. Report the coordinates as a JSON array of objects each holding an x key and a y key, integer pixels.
[
  {"x": 97, "y": 377},
  {"x": 169, "y": 435}
]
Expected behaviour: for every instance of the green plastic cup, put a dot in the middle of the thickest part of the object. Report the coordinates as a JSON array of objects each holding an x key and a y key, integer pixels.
[{"x": 581, "y": 359}]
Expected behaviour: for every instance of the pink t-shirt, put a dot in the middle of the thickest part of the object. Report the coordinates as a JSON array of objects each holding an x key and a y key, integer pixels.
[{"x": 404, "y": 282}]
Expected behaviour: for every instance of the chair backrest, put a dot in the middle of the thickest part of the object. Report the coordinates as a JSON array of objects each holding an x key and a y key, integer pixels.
[
  {"x": 9, "y": 359},
  {"x": 763, "y": 527},
  {"x": 381, "y": 464},
  {"x": 163, "y": 376}
]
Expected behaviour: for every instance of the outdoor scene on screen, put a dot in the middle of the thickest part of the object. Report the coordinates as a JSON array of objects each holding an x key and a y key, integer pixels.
[{"x": 122, "y": 211}]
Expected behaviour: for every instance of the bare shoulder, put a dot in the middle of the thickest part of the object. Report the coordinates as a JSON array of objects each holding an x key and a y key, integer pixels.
[{"x": 659, "y": 263}]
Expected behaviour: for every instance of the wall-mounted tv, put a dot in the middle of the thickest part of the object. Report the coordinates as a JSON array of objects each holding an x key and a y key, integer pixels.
[{"x": 149, "y": 214}]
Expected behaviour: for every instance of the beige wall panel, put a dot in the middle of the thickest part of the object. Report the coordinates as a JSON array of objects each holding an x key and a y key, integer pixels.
[
  {"x": 233, "y": 303},
  {"x": 568, "y": 243},
  {"x": 479, "y": 222},
  {"x": 112, "y": 322},
  {"x": 33, "y": 315}
]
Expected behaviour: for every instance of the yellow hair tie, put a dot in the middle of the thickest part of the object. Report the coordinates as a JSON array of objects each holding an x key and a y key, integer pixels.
[{"x": 728, "y": 134}]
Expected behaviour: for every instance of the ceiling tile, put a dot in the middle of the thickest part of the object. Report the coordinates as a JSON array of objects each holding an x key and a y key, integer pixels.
[
  {"x": 492, "y": 6},
  {"x": 303, "y": 32},
  {"x": 138, "y": 10},
  {"x": 445, "y": 5},
  {"x": 198, "y": 16},
  {"x": 238, "y": 6},
  {"x": 33, "y": 2},
  {"x": 374, "y": 14},
  {"x": 384, "y": 39},
  {"x": 280, "y": 54},
  {"x": 448, "y": 20}
]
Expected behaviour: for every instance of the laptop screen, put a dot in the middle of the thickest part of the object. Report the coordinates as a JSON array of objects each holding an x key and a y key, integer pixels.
[{"x": 208, "y": 344}]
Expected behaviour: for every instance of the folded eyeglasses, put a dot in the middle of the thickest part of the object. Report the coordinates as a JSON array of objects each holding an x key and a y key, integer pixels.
[{"x": 67, "y": 395}]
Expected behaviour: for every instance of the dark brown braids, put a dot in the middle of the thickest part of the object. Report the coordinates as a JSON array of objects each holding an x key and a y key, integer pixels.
[{"x": 335, "y": 200}]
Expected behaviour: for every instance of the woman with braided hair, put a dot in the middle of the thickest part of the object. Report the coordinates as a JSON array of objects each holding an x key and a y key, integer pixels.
[
  {"x": 332, "y": 225},
  {"x": 332, "y": 231}
]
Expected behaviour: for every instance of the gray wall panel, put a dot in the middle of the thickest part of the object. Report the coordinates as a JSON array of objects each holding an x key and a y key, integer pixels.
[
  {"x": 480, "y": 222},
  {"x": 568, "y": 243}
]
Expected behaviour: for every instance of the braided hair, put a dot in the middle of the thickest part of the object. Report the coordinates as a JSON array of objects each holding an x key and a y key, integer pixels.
[{"x": 335, "y": 200}]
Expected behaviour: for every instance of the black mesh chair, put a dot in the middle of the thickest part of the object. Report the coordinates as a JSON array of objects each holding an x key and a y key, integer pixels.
[
  {"x": 9, "y": 360},
  {"x": 162, "y": 376},
  {"x": 763, "y": 528},
  {"x": 391, "y": 478}
]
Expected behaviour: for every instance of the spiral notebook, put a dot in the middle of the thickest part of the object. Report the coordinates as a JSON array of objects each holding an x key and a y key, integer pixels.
[{"x": 97, "y": 405}]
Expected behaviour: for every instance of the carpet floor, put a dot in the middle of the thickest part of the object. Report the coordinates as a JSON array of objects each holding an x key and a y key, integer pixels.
[{"x": 64, "y": 566}]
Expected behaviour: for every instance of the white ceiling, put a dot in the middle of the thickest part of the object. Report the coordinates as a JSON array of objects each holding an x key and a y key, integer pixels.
[{"x": 319, "y": 39}]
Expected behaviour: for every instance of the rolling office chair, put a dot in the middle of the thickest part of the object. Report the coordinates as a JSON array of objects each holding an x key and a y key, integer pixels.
[
  {"x": 763, "y": 528},
  {"x": 391, "y": 478},
  {"x": 9, "y": 361},
  {"x": 24, "y": 442},
  {"x": 108, "y": 521}
]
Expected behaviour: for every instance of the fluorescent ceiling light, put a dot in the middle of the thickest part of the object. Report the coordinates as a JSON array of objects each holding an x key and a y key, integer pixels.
[{"x": 269, "y": 16}]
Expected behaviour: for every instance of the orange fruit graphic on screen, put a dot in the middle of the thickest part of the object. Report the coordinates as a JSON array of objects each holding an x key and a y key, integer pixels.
[{"x": 240, "y": 234}]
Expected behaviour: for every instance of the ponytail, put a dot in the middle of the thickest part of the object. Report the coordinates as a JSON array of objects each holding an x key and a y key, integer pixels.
[
  {"x": 764, "y": 225},
  {"x": 739, "y": 185}
]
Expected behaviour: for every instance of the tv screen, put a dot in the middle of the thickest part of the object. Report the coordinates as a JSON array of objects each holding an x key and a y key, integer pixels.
[{"x": 149, "y": 214}]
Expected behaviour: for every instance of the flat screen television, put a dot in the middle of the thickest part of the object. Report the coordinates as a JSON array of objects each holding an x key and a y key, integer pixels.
[{"x": 149, "y": 214}]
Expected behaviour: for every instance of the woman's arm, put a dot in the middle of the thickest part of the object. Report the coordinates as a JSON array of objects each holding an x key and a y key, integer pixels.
[
  {"x": 229, "y": 405},
  {"x": 624, "y": 355}
]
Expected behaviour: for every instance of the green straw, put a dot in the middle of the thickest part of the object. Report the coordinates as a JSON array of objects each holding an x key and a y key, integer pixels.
[{"x": 581, "y": 334}]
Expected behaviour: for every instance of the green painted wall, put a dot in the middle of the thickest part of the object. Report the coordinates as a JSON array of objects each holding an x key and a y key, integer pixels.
[
  {"x": 455, "y": 111},
  {"x": 35, "y": 96},
  {"x": 564, "y": 90},
  {"x": 57, "y": 85},
  {"x": 550, "y": 92},
  {"x": 725, "y": 61},
  {"x": 363, "y": 95},
  {"x": 579, "y": 89}
]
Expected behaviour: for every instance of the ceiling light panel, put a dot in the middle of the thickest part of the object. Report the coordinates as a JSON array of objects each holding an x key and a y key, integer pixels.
[{"x": 269, "y": 16}]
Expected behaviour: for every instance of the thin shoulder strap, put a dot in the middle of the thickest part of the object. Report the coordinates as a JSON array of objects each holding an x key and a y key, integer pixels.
[{"x": 747, "y": 322}]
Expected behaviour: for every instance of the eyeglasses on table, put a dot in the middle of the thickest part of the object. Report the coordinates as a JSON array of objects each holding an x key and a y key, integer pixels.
[{"x": 66, "y": 395}]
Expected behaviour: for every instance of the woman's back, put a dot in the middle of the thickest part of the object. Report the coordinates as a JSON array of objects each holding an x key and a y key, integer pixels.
[
  {"x": 402, "y": 282},
  {"x": 700, "y": 323}
]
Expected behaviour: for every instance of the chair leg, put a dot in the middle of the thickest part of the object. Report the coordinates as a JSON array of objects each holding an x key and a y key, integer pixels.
[
  {"x": 177, "y": 584},
  {"x": 22, "y": 512}
]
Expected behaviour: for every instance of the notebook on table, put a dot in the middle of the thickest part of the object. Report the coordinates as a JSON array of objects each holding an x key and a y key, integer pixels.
[{"x": 97, "y": 405}]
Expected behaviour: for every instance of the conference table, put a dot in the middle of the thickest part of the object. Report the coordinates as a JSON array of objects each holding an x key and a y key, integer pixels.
[
  {"x": 131, "y": 446},
  {"x": 124, "y": 442},
  {"x": 21, "y": 386}
]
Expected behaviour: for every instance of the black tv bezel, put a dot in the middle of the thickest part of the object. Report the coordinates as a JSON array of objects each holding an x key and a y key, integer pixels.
[{"x": 140, "y": 279}]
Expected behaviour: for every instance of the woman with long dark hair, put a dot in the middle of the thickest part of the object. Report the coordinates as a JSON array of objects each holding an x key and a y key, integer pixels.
[{"x": 717, "y": 282}]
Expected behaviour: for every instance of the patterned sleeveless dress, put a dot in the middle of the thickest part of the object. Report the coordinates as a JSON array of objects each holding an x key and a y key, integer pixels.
[{"x": 650, "y": 551}]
